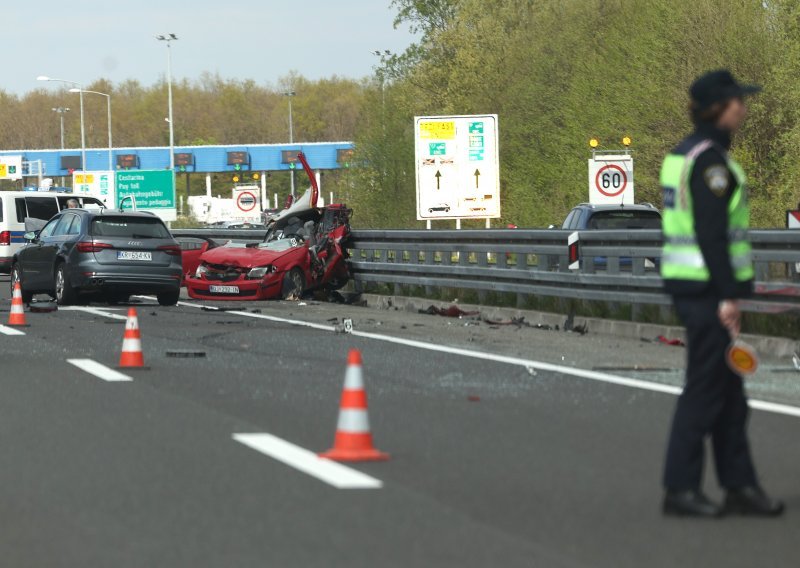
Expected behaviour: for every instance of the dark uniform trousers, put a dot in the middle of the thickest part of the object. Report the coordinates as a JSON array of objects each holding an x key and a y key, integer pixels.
[{"x": 713, "y": 403}]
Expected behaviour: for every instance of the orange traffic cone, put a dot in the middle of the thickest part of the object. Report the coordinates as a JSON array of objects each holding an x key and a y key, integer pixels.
[
  {"x": 353, "y": 440},
  {"x": 17, "y": 315},
  {"x": 132, "y": 355}
]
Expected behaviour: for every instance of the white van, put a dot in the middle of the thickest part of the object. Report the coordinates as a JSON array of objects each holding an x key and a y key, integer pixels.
[{"x": 16, "y": 206}]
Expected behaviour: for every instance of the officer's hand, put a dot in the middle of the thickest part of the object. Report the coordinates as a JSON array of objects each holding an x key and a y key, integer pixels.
[{"x": 730, "y": 316}]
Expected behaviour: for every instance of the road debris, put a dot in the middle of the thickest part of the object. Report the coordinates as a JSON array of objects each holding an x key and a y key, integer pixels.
[
  {"x": 473, "y": 398},
  {"x": 450, "y": 312},
  {"x": 345, "y": 327},
  {"x": 37, "y": 307},
  {"x": 185, "y": 353}
]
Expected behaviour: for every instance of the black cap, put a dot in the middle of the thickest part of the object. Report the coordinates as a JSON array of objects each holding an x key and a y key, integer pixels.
[{"x": 718, "y": 86}]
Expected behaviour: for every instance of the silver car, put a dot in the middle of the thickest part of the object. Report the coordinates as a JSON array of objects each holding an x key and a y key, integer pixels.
[{"x": 109, "y": 254}]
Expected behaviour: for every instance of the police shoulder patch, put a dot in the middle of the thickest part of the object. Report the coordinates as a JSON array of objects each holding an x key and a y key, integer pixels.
[{"x": 717, "y": 179}]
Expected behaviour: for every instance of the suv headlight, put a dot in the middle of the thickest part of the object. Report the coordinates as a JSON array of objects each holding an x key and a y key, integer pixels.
[
  {"x": 201, "y": 269},
  {"x": 260, "y": 272}
]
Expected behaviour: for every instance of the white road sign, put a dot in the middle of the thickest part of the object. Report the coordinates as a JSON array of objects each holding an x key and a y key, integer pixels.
[
  {"x": 611, "y": 179},
  {"x": 247, "y": 202},
  {"x": 10, "y": 167},
  {"x": 793, "y": 219},
  {"x": 457, "y": 166},
  {"x": 96, "y": 184}
]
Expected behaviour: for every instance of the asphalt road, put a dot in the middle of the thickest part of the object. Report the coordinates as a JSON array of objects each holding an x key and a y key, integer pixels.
[{"x": 494, "y": 462}]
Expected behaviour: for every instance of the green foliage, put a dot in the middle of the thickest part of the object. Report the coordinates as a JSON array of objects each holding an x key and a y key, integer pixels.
[{"x": 558, "y": 72}]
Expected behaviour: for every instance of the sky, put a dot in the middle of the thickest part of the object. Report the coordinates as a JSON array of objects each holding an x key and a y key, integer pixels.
[{"x": 84, "y": 40}]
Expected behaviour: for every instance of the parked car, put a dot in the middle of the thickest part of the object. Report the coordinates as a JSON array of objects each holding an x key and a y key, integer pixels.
[
  {"x": 17, "y": 207},
  {"x": 588, "y": 217},
  {"x": 304, "y": 249},
  {"x": 111, "y": 254}
]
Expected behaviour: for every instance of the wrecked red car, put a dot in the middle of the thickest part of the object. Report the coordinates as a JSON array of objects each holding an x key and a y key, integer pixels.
[{"x": 304, "y": 250}]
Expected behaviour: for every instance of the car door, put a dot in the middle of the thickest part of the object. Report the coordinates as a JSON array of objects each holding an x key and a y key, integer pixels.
[
  {"x": 54, "y": 243},
  {"x": 33, "y": 257}
]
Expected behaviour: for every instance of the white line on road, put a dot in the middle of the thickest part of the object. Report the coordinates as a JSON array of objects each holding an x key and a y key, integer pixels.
[
  {"x": 332, "y": 473},
  {"x": 766, "y": 406},
  {"x": 6, "y": 330},
  {"x": 94, "y": 311},
  {"x": 99, "y": 370}
]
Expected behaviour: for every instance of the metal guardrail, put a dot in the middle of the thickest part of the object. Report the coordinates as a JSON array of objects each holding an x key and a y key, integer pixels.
[{"x": 614, "y": 266}]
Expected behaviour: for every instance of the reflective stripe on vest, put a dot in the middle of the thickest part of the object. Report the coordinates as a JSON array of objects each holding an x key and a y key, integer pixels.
[{"x": 682, "y": 257}]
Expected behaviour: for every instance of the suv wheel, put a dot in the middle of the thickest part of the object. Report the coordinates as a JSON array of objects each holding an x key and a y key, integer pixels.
[
  {"x": 65, "y": 293},
  {"x": 16, "y": 276}
]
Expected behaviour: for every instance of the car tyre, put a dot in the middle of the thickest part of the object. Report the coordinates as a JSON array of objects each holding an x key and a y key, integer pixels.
[
  {"x": 294, "y": 284},
  {"x": 169, "y": 298},
  {"x": 16, "y": 276},
  {"x": 64, "y": 292}
]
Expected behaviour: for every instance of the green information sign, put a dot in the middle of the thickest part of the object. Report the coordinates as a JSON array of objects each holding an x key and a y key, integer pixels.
[
  {"x": 476, "y": 128},
  {"x": 437, "y": 148},
  {"x": 152, "y": 189}
]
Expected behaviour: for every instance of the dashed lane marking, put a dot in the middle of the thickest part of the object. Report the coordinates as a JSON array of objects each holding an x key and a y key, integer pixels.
[
  {"x": 332, "y": 473},
  {"x": 6, "y": 330},
  {"x": 103, "y": 312},
  {"x": 766, "y": 406},
  {"x": 99, "y": 370}
]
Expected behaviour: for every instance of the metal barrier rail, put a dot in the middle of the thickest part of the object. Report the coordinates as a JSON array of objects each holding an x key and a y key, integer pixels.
[{"x": 614, "y": 266}]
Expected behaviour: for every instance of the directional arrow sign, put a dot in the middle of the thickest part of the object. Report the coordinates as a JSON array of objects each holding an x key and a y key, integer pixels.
[{"x": 457, "y": 165}]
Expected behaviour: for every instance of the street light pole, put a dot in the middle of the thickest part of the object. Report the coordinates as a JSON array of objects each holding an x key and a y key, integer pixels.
[
  {"x": 169, "y": 38},
  {"x": 83, "y": 129},
  {"x": 108, "y": 99},
  {"x": 289, "y": 95},
  {"x": 61, "y": 111}
]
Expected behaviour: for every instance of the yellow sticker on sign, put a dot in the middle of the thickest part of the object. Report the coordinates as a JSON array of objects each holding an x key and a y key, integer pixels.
[
  {"x": 438, "y": 130},
  {"x": 3, "y": 170}
]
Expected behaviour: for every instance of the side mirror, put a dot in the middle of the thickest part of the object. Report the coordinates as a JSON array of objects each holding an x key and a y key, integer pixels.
[{"x": 30, "y": 236}]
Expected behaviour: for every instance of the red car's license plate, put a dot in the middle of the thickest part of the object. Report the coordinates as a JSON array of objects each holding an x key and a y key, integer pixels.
[{"x": 223, "y": 289}]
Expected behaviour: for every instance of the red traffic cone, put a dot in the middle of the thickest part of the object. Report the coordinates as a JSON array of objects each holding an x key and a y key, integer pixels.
[
  {"x": 17, "y": 315},
  {"x": 353, "y": 440},
  {"x": 132, "y": 355}
]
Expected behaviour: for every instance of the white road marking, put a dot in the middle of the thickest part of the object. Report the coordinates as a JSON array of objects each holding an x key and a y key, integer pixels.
[
  {"x": 331, "y": 472},
  {"x": 104, "y": 312},
  {"x": 6, "y": 330},
  {"x": 99, "y": 370},
  {"x": 766, "y": 406}
]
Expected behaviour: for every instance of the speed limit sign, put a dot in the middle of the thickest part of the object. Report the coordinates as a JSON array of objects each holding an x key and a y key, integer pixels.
[{"x": 611, "y": 179}]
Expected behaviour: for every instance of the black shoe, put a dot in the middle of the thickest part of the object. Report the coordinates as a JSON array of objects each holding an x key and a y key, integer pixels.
[
  {"x": 752, "y": 501},
  {"x": 690, "y": 504}
]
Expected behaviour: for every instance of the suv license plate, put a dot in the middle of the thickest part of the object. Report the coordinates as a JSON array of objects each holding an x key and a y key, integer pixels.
[
  {"x": 223, "y": 289},
  {"x": 134, "y": 255}
]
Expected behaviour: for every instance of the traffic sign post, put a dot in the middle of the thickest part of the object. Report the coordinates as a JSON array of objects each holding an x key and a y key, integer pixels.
[
  {"x": 611, "y": 179},
  {"x": 247, "y": 201},
  {"x": 457, "y": 167},
  {"x": 11, "y": 167},
  {"x": 793, "y": 219},
  {"x": 95, "y": 184},
  {"x": 152, "y": 190}
]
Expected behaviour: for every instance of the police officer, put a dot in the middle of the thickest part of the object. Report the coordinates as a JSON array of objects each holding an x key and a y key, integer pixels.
[{"x": 707, "y": 269}]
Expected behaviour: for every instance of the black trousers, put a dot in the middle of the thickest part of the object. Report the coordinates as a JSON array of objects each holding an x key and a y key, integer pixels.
[{"x": 713, "y": 403}]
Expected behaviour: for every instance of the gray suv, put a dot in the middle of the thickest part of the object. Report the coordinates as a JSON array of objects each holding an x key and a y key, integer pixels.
[{"x": 80, "y": 254}]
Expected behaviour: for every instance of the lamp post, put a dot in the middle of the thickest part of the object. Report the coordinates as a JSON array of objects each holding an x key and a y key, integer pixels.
[
  {"x": 61, "y": 111},
  {"x": 83, "y": 129},
  {"x": 289, "y": 95},
  {"x": 169, "y": 38},
  {"x": 108, "y": 99}
]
